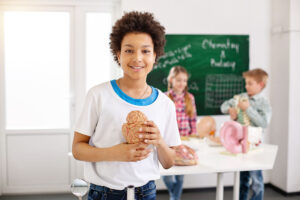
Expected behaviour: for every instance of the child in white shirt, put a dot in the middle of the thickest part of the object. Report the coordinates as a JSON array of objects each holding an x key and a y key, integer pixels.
[{"x": 136, "y": 41}]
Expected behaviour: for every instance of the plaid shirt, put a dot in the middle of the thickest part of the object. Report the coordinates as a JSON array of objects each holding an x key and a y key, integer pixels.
[{"x": 186, "y": 124}]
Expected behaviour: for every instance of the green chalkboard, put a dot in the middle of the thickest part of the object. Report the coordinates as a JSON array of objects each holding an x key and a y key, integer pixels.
[{"x": 215, "y": 64}]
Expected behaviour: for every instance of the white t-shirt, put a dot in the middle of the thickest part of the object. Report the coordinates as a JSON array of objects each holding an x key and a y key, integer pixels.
[{"x": 105, "y": 110}]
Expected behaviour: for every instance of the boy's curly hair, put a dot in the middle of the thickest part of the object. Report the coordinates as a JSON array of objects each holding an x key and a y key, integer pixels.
[{"x": 140, "y": 22}]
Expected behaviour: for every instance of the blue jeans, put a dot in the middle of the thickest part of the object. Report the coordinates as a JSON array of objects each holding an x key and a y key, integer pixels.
[
  {"x": 174, "y": 185},
  {"x": 257, "y": 185},
  {"x": 145, "y": 192}
]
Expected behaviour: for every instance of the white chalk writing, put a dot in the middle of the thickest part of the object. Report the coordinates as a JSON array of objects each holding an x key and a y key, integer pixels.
[
  {"x": 214, "y": 45},
  {"x": 193, "y": 86},
  {"x": 221, "y": 62},
  {"x": 172, "y": 57}
]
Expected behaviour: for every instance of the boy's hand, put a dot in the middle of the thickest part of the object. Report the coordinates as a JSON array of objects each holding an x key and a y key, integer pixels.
[
  {"x": 244, "y": 104},
  {"x": 150, "y": 133},
  {"x": 131, "y": 152},
  {"x": 233, "y": 113}
]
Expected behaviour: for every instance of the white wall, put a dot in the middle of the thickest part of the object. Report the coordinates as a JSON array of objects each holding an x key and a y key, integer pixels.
[
  {"x": 285, "y": 93},
  {"x": 1, "y": 105},
  {"x": 252, "y": 17},
  {"x": 280, "y": 91},
  {"x": 294, "y": 109}
]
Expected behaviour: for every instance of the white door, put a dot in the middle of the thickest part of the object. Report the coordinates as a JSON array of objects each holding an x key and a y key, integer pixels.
[
  {"x": 49, "y": 57},
  {"x": 37, "y": 100}
]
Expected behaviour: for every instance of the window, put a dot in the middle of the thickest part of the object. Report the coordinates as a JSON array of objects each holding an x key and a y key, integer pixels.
[
  {"x": 37, "y": 54},
  {"x": 40, "y": 45}
]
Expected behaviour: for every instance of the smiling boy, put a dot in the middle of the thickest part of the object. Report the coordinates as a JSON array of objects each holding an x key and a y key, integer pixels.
[{"x": 111, "y": 164}]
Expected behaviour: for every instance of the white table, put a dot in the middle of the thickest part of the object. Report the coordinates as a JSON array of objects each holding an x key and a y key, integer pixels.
[{"x": 215, "y": 160}]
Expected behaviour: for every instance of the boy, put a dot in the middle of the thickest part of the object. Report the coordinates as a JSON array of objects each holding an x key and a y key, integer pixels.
[
  {"x": 136, "y": 41},
  {"x": 251, "y": 108}
]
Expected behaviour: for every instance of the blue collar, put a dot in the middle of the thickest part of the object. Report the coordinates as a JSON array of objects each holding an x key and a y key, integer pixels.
[{"x": 138, "y": 102}]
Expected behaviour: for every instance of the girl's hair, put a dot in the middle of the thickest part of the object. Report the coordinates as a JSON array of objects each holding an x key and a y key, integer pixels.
[
  {"x": 137, "y": 22},
  {"x": 189, "y": 109}
]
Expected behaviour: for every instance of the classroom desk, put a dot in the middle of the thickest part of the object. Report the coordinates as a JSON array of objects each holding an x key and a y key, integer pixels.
[{"x": 215, "y": 160}]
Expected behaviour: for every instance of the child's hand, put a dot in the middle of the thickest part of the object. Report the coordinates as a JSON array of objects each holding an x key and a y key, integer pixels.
[
  {"x": 131, "y": 152},
  {"x": 244, "y": 104},
  {"x": 150, "y": 133},
  {"x": 233, "y": 113}
]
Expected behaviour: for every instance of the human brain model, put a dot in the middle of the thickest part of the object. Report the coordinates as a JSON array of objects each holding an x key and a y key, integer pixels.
[
  {"x": 206, "y": 126},
  {"x": 134, "y": 121}
]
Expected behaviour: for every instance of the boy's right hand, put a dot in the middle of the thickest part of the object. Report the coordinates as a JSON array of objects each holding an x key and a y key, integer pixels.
[
  {"x": 232, "y": 113},
  {"x": 131, "y": 152}
]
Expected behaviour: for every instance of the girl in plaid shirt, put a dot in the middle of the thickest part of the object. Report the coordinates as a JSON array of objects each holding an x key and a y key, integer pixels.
[{"x": 186, "y": 119}]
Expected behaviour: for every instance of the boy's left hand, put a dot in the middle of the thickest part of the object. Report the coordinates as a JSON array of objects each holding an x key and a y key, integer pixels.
[
  {"x": 244, "y": 104},
  {"x": 150, "y": 133}
]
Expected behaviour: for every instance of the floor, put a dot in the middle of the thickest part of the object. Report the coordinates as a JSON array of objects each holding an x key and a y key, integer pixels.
[{"x": 191, "y": 194}]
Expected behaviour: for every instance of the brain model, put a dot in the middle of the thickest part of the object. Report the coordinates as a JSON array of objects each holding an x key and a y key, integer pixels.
[
  {"x": 135, "y": 120},
  {"x": 206, "y": 126}
]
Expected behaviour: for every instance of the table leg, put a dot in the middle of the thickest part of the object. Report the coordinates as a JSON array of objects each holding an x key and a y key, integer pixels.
[
  {"x": 236, "y": 187},
  {"x": 220, "y": 186}
]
